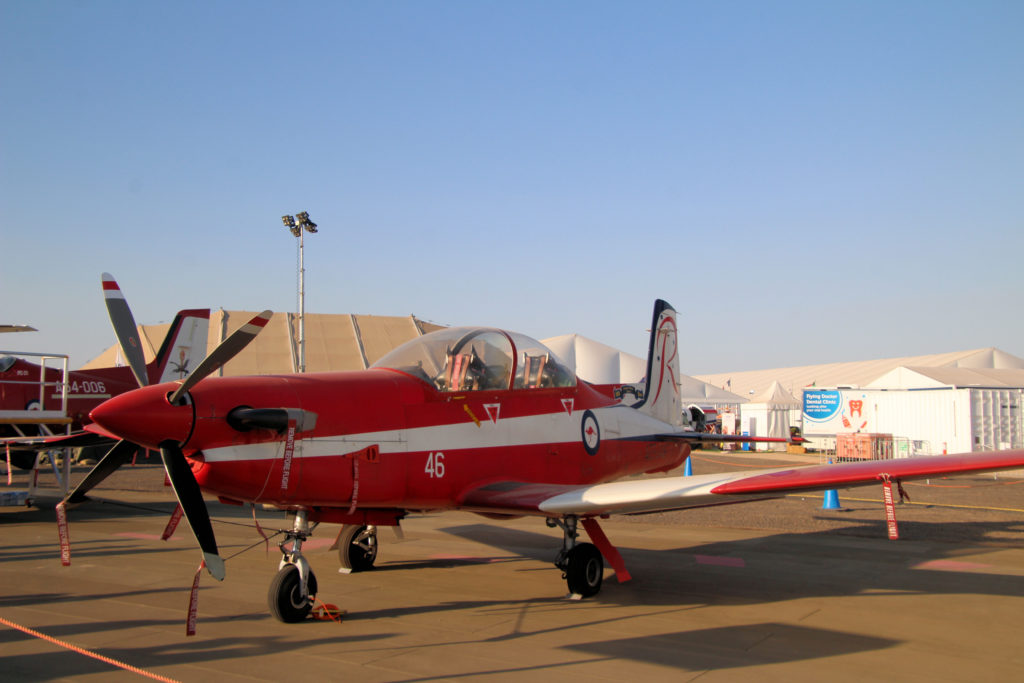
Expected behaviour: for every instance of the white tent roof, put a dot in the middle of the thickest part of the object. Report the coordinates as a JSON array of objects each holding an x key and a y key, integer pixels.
[
  {"x": 596, "y": 362},
  {"x": 857, "y": 373},
  {"x": 692, "y": 390},
  {"x": 777, "y": 396},
  {"x": 602, "y": 364},
  {"x": 923, "y": 377}
]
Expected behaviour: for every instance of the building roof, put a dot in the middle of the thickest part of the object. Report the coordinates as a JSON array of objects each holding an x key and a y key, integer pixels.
[
  {"x": 923, "y": 378},
  {"x": 333, "y": 341},
  {"x": 857, "y": 373}
]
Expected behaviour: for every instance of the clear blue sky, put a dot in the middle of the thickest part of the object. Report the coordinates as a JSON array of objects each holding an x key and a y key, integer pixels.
[{"x": 805, "y": 181}]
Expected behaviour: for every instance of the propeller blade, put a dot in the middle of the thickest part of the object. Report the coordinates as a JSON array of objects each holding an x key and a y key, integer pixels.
[
  {"x": 119, "y": 454},
  {"x": 125, "y": 329},
  {"x": 186, "y": 488},
  {"x": 227, "y": 350}
]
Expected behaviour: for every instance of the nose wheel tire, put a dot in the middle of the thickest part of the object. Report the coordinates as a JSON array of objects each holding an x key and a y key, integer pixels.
[
  {"x": 584, "y": 570},
  {"x": 357, "y": 548},
  {"x": 285, "y": 595}
]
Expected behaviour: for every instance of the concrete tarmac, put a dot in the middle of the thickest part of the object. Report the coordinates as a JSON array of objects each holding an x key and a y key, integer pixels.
[{"x": 778, "y": 590}]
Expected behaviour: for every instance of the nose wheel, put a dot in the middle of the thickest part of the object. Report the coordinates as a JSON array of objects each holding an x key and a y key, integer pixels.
[
  {"x": 292, "y": 591},
  {"x": 286, "y": 599}
]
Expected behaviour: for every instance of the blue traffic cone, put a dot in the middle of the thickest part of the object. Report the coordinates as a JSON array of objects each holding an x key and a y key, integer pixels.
[
  {"x": 831, "y": 501},
  {"x": 688, "y": 470}
]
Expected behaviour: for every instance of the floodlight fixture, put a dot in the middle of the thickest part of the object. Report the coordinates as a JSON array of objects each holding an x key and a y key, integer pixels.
[
  {"x": 289, "y": 222},
  {"x": 304, "y": 221}
]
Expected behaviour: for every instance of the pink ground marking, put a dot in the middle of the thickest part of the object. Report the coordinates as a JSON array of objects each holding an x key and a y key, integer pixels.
[
  {"x": 721, "y": 561},
  {"x": 145, "y": 537},
  {"x": 469, "y": 558},
  {"x": 951, "y": 566}
]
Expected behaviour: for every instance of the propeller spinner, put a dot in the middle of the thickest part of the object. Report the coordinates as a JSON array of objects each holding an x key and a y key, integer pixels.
[{"x": 153, "y": 417}]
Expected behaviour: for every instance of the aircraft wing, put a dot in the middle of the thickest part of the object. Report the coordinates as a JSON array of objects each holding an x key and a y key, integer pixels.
[
  {"x": 42, "y": 443},
  {"x": 659, "y": 494}
]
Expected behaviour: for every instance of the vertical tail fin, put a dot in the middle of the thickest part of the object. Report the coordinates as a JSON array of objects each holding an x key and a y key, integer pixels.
[
  {"x": 661, "y": 397},
  {"x": 183, "y": 347}
]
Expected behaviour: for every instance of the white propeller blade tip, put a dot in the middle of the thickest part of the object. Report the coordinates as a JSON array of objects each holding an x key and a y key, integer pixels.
[{"x": 214, "y": 565}]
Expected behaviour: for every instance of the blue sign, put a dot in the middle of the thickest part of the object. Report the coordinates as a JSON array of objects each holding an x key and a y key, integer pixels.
[{"x": 821, "y": 405}]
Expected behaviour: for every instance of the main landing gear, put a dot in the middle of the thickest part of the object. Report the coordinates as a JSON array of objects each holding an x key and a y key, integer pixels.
[
  {"x": 581, "y": 563},
  {"x": 357, "y": 548},
  {"x": 293, "y": 589}
]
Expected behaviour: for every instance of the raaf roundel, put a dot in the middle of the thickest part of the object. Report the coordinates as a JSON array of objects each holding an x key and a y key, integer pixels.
[{"x": 476, "y": 419}]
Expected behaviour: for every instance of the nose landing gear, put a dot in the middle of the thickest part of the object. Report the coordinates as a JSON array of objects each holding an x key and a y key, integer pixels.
[{"x": 292, "y": 591}]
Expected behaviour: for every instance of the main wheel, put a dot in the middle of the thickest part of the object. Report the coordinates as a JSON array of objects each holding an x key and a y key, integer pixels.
[
  {"x": 285, "y": 595},
  {"x": 357, "y": 548},
  {"x": 584, "y": 570}
]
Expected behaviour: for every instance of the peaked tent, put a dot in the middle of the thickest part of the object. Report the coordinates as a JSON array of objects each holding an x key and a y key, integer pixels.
[{"x": 768, "y": 414}]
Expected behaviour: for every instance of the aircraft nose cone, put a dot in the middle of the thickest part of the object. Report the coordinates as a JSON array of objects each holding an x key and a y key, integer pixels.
[{"x": 144, "y": 416}]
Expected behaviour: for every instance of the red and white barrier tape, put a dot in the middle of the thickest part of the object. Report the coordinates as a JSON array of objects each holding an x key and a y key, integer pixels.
[
  {"x": 62, "y": 532},
  {"x": 890, "y": 509},
  {"x": 355, "y": 483},
  {"x": 289, "y": 451},
  {"x": 193, "y": 602},
  {"x": 172, "y": 523}
]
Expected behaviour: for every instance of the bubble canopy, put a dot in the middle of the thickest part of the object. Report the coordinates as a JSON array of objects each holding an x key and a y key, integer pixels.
[{"x": 479, "y": 359}]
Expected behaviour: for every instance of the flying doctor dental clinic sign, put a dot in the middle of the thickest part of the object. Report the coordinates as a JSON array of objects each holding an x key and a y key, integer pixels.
[{"x": 829, "y": 411}]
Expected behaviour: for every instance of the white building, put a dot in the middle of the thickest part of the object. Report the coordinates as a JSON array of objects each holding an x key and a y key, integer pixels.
[{"x": 927, "y": 410}]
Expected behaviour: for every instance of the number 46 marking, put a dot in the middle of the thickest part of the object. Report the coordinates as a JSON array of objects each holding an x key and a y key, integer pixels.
[{"x": 435, "y": 465}]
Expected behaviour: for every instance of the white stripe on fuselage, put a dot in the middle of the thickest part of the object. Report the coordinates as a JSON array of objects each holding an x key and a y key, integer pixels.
[{"x": 615, "y": 422}]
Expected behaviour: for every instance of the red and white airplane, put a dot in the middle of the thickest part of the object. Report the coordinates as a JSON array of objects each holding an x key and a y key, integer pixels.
[
  {"x": 31, "y": 394},
  {"x": 475, "y": 419}
]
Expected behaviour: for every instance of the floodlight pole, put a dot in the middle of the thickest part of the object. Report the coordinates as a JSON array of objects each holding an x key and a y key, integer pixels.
[
  {"x": 302, "y": 305},
  {"x": 297, "y": 229}
]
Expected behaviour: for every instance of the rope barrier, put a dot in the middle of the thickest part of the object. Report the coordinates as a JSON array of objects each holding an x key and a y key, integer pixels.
[
  {"x": 82, "y": 651},
  {"x": 935, "y": 505},
  {"x": 972, "y": 486}
]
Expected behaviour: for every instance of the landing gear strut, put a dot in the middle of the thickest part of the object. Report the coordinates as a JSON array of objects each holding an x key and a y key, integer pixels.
[
  {"x": 581, "y": 563},
  {"x": 293, "y": 589}
]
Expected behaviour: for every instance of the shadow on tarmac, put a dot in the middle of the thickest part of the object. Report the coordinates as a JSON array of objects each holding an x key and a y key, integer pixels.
[
  {"x": 772, "y": 568},
  {"x": 676, "y": 581}
]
